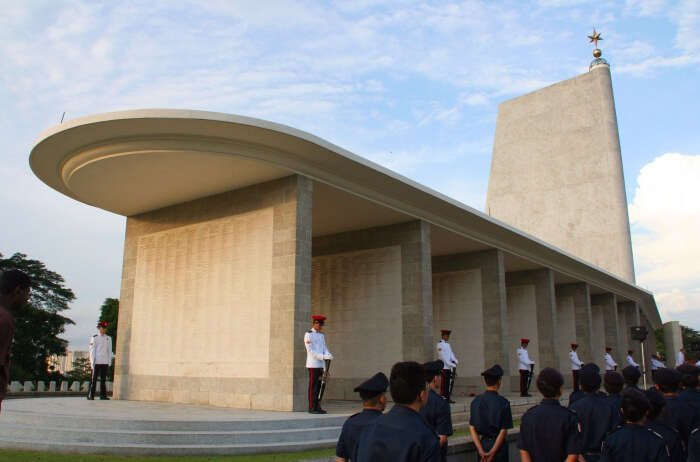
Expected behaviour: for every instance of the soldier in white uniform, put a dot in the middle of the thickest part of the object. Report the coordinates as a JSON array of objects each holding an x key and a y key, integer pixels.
[
  {"x": 680, "y": 357},
  {"x": 656, "y": 364},
  {"x": 610, "y": 364},
  {"x": 100, "y": 360},
  {"x": 630, "y": 359},
  {"x": 316, "y": 354},
  {"x": 575, "y": 364},
  {"x": 525, "y": 366},
  {"x": 445, "y": 354}
]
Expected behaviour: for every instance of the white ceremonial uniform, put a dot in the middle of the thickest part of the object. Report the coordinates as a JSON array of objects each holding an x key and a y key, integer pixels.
[
  {"x": 445, "y": 354},
  {"x": 316, "y": 350},
  {"x": 631, "y": 362},
  {"x": 680, "y": 358},
  {"x": 610, "y": 363},
  {"x": 100, "y": 349},
  {"x": 656, "y": 364},
  {"x": 575, "y": 362},
  {"x": 524, "y": 360}
]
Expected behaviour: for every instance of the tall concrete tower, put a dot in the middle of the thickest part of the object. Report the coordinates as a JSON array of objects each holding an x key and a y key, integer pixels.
[{"x": 556, "y": 171}]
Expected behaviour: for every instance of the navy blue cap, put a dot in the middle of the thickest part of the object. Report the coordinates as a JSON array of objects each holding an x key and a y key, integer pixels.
[
  {"x": 493, "y": 371},
  {"x": 375, "y": 385}
]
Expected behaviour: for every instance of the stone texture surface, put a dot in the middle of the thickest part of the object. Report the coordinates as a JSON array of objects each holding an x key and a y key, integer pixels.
[
  {"x": 224, "y": 272},
  {"x": 355, "y": 259},
  {"x": 580, "y": 296},
  {"x": 606, "y": 304},
  {"x": 599, "y": 340},
  {"x": 566, "y": 333},
  {"x": 673, "y": 341},
  {"x": 559, "y": 147}
]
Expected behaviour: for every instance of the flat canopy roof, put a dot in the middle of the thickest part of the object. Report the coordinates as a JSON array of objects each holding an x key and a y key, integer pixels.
[{"x": 133, "y": 162}]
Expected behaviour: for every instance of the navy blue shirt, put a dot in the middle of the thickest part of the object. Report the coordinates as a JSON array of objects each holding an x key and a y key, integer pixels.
[
  {"x": 616, "y": 401},
  {"x": 692, "y": 397},
  {"x": 672, "y": 439},
  {"x": 575, "y": 396},
  {"x": 679, "y": 416},
  {"x": 400, "y": 435},
  {"x": 550, "y": 432},
  {"x": 350, "y": 434},
  {"x": 634, "y": 443},
  {"x": 438, "y": 414},
  {"x": 490, "y": 413},
  {"x": 598, "y": 417}
]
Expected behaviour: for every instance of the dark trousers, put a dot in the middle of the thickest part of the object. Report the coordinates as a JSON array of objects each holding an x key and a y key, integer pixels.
[
  {"x": 101, "y": 370},
  {"x": 487, "y": 443},
  {"x": 576, "y": 374},
  {"x": 314, "y": 386},
  {"x": 523, "y": 381},
  {"x": 445, "y": 383}
]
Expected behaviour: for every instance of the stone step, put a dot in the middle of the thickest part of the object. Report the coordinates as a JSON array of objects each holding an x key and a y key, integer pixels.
[
  {"x": 165, "y": 450},
  {"x": 17, "y": 432}
]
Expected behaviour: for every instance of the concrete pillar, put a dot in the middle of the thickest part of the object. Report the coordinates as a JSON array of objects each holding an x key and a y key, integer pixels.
[
  {"x": 52, "y": 386},
  {"x": 532, "y": 313},
  {"x": 607, "y": 304},
  {"x": 40, "y": 386},
  {"x": 209, "y": 269},
  {"x": 632, "y": 319},
  {"x": 469, "y": 297},
  {"x": 580, "y": 296},
  {"x": 15, "y": 386},
  {"x": 598, "y": 341},
  {"x": 673, "y": 341},
  {"x": 64, "y": 385},
  {"x": 375, "y": 287},
  {"x": 623, "y": 328},
  {"x": 28, "y": 386}
]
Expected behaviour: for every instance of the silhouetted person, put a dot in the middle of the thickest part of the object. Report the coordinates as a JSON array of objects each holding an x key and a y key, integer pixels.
[{"x": 15, "y": 287}]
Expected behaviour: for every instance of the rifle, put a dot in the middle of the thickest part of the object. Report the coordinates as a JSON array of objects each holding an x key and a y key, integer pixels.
[
  {"x": 529, "y": 378},
  {"x": 454, "y": 377},
  {"x": 324, "y": 379}
]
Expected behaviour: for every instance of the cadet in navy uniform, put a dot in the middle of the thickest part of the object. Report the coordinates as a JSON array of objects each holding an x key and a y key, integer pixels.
[
  {"x": 490, "y": 418},
  {"x": 689, "y": 381},
  {"x": 402, "y": 435},
  {"x": 372, "y": 392},
  {"x": 631, "y": 375},
  {"x": 596, "y": 414},
  {"x": 100, "y": 360},
  {"x": 316, "y": 354},
  {"x": 613, "y": 383},
  {"x": 678, "y": 414},
  {"x": 449, "y": 360},
  {"x": 694, "y": 446},
  {"x": 657, "y": 407},
  {"x": 549, "y": 431},
  {"x": 634, "y": 441},
  {"x": 437, "y": 410}
]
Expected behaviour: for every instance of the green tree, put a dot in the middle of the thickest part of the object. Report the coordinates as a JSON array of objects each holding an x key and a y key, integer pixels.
[
  {"x": 109, "y": 313},
  {"x": 691, "y": 341},
  {"x": 38, "y": 324},
  {"x": 81, "y": 371}
]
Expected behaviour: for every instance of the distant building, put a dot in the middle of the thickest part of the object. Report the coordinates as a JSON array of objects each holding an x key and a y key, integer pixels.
[{"x": 64, "y": 363}]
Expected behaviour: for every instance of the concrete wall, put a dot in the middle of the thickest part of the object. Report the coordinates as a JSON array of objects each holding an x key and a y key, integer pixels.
[
  {"x": 607, "y": 305},
  {"x": 559, "y": 147},
  {"x": 566, "y": 332},
  {"x": 385, "y": 273},
  {"x": 215, "y": 300},
  {"x": 598, "y": 343},
  {"x": 580, "y": 296},
  {"x": 673, "y": 341},
  {"x": 522, "y": 323}
]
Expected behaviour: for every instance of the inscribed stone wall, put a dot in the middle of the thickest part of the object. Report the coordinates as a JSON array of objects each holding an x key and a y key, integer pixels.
[{"x": 457, "y": 306}]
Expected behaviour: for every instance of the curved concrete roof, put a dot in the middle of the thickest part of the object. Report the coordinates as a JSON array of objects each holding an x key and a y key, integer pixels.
[{"x": 136, "y": 161}]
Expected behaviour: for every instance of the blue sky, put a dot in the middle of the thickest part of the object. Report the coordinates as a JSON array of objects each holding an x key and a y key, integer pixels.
[{"x": 414, "y": 86}]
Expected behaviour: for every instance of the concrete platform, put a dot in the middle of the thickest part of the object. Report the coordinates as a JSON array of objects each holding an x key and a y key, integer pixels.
[{"x": 76, "y": 425}]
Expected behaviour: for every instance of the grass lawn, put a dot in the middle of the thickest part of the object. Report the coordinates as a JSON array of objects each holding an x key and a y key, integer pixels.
[{"x": 17, "y": 456}]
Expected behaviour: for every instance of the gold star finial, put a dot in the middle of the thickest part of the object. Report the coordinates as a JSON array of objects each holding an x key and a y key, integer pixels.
[{"x": 595, "y": 37}]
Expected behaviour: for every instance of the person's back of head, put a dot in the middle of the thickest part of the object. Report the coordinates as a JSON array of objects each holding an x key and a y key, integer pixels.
[
  {"x": 406, "y": 382},
  {"x": 613, "y": 382},
  {"x": 10, "y": 280},
  {"x": 492, "y": 376},
  {"x": 549, "y": 382},
  {"x": 634, "y": 405},
  {"x": 631, "y": 375},
  {"x": 590, "y": 378},
  {"x": 689, "y": 375},
  {"x": 667, "y": 380},
  {"x": 656, "y": 403}
]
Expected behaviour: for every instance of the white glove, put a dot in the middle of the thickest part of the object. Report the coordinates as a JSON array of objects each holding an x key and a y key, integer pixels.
[{"x": 328, "y": 356}]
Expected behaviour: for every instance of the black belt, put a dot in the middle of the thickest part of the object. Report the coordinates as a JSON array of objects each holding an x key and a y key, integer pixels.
[
  {"x": 591, "y": 453},
  {"x": 489, "y": 437}
]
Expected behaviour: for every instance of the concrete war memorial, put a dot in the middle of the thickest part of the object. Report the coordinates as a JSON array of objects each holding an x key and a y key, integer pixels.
[{"x": 239, "y": 229}]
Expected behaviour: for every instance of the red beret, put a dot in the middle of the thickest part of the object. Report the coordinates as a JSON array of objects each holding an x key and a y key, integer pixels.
[
  {"x": 102, "y": 324},
  {"x": 608, "y": 348},
  {"x": 446, "y": 331},
  {"x": 574, "y": 344},
  {"x": 524, "y": 340},
  {"x": 317, "y": 317},
  {"x": 630, "y": 351}
]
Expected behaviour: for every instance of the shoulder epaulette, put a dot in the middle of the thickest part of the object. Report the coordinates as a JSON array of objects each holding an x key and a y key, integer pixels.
[
  {"x": 695, "y": 431},
  {"x": 654, "y": 432},
  {"x": 95, "y": 335},
  {"x": 310, "y": 331}
]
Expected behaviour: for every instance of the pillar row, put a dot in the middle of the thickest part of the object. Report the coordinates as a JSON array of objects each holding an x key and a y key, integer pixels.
[
  {"x": 606, "y": 305},
  {"x": 579, "y": 295}
]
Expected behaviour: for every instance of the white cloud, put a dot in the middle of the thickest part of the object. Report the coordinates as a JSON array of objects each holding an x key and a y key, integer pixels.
[
  {"x": 645, "y": 7},
  {"x": 665, "y": 217}
]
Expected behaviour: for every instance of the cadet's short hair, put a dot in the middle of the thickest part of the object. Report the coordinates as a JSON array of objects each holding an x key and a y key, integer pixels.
[
  {"x": 491, "y": 380},
  {"x": 656, "y": 403},
  {"x": 372, "y": 401},
  {"x": 590, "y": 378},
  {"x": 406, "y": 382},
  {"x": 549, "y": 382},
  {"x": 613, "y": 382},
  {"x": 667, "y": 380},
  {"x": 11, "y": 279},
  {"x": 634, "y": 404},
  {"x": 631, "y": 375},
  {"x": 689, "y": 375}
]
